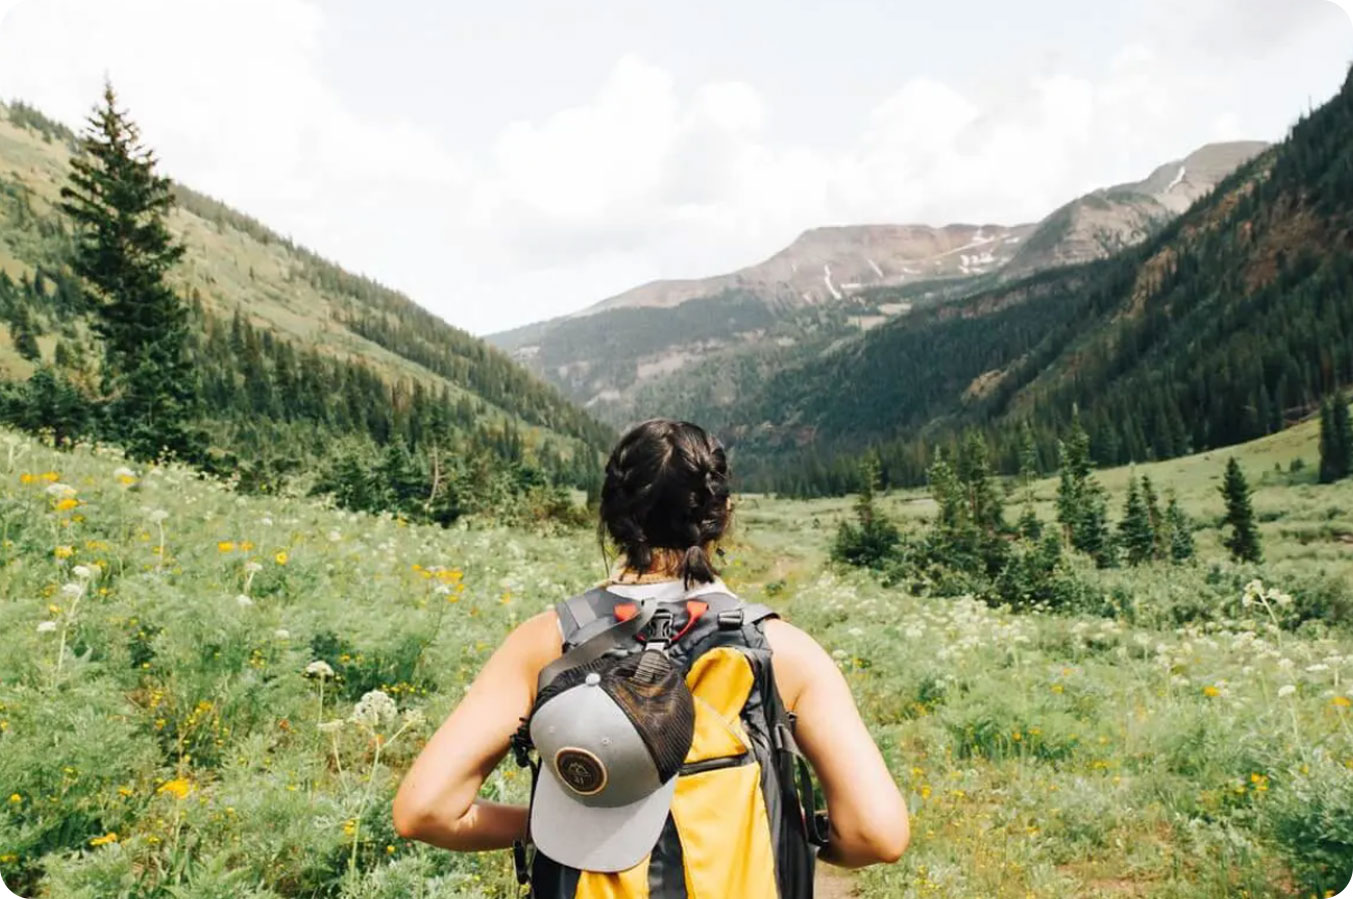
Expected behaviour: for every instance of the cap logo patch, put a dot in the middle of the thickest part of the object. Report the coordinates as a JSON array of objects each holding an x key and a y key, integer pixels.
[{"x": 581, "y": 771}]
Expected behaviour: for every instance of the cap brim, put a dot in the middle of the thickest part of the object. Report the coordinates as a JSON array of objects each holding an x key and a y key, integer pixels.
[{"x": 591, "y": 838}]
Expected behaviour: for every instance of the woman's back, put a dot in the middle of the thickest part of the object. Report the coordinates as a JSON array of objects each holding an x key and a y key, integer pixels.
[{"x": 666, "y": 505}]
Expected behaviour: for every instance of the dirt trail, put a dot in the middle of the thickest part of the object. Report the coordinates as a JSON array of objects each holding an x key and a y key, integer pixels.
[{"x": 832, "y": 883}]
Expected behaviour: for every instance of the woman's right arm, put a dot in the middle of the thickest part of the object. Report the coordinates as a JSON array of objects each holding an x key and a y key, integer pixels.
[
  {"x": 867, "y": 814},
  {"x": 437, "y": 801}
]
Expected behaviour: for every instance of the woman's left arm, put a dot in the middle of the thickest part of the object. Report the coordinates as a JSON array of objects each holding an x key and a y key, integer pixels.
[{"x": 436, "y": 802}]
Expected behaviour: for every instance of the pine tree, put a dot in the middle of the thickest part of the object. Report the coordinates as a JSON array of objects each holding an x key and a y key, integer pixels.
[
  {"x": 1081, "y": 506},
  {"x": 1159, "y": 529},
  {"x": 1029, "y": 526},
  {"x": 1135, "y": 533},
  {"x": 123, "y": 252},
  {"x": 1243, "y": 541},
  {"x": 1329, "y": 444},
  {"x": 1180, "y": 531},
  {"x": 1336, "y": 439}
]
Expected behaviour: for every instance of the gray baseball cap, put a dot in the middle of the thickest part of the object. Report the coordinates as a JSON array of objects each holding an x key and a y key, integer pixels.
[{"x": 612, "y": 736}]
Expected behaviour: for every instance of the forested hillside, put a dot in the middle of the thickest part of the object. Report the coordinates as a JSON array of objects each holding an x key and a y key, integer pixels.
[
  {"x": 1234, "y": 320},
  {"x": 292, "y": 352}
]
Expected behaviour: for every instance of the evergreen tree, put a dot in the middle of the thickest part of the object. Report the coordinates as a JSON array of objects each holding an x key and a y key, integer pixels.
[
  {"x": 1243, "y": 541},
  {"x": 1329, "y": 449},
  {"x": 1081, "y": 505},
  {"x": 1180, "y": 531},
  {"x": 123, "y": 252},
  {"x": 1029, "y": 526},
  {"x": 1135, "y": 532},
  {"x": 1159, "y": 528},
  {"x": 871, "y": 540},
  {"x": 1336, "y": 439}
]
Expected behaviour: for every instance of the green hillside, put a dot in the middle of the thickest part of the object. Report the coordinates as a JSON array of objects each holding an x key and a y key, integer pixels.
[
  {"x": 1232, "y": 322},
  {"x": 292, "y": 349}
]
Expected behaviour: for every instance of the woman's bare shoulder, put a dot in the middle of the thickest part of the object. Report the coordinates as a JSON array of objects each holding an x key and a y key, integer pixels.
[{"x": 796, "y": 658}]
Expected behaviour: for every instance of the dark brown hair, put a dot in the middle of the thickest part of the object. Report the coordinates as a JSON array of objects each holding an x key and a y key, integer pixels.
[{"x": 666, "y": 488}]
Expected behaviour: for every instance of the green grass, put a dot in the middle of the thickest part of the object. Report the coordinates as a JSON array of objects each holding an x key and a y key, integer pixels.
[{"x": 1042, "y": 755}]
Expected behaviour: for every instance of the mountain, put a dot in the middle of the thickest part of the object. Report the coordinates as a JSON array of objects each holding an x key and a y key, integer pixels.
[
  {"x": 1231, "y": 322},
  {"x": 696, "y": 343},
  {"x": 292, "y": 350},
  {"x": 1105, "y": 221}
]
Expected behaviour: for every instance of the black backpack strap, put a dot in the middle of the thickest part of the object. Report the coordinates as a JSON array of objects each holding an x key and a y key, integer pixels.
[
  {"x": 613, "y": 636},
  {"x": 578, "y": 613},
  {"x": 739, "y": 614}
]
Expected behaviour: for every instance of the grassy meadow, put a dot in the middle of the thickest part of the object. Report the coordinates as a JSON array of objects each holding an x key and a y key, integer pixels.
[{"x": 183, "y": 673}]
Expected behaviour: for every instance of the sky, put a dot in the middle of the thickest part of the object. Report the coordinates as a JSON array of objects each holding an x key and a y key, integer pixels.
[{"x": 508, "y": 162}]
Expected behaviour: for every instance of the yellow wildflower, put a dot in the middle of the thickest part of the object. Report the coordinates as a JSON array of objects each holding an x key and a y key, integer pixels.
[
  {"x": 225, "y": 546},
  {"x": 65, "y": 505},
  {"x": 51, "y": 477},
  {"x": 179, "y": 787},
  {"x": 124, "y": 791},
  {"x": 26, "y": 478},
  {"x": 1211, "y": 692},
  {"x": 15, "y": 798},
  {"x": 281, "y": 557},
  {"x": 110, "y": 837},
  {"x": 1342, "y": 702},
  {"x": 63, "y": 552}
]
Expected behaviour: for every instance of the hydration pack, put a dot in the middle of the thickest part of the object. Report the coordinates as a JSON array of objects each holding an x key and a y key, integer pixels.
[{"x": 743, "y": 821}]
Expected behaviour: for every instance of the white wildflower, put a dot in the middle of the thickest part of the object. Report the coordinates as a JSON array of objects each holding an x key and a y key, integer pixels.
[
  {"x": 60, "y": 490},
  {"x": 46, "y": 627},
  {"x": 319, "y": 668},
  {"x": 282, "y": 634},
  {"x": 1286, "y": 690},
  {"x": 243, "y": 601},
  {"x": 414, "y": 717},
  {"x": 1318, "y": 668},
  {"x": 839, "y": 654},
  {"x": 158, "y": 515},
  {"x": 1282, "y": 599},
  {"x": 330, "y": 727},
  {"x": 334, "y": 536},
  {"x": 374, "y": 709},
  {"x": 252, "y": 567},
  {"x": 72, "y": 590},
  {"x": 265, "y": 521},
  {"x": 856, "y": 632},
  {"x": 1286, "y": 664},
  {"x": 83, "y": 572}
]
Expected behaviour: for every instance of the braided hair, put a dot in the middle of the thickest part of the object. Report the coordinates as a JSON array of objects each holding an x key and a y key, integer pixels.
[{"x": 666, "y": 488}]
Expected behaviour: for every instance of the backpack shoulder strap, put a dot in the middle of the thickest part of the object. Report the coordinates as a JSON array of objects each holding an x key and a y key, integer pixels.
[
  {"x": 577, "y": 613},
  {"x": 585, "y": 643}
]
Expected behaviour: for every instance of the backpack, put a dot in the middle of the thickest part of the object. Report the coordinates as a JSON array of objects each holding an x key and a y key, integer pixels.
[{"x": 743, "y": 821}]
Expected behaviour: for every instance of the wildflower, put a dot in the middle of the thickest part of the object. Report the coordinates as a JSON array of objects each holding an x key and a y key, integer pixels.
[
  {"x": 158, "y": 515},
  {"x": 1286, "y": 664},
  {"x": 65, "y": 505},
  {"x": 282, "y": 634},
  {"x": 225, "y": 546},
  {"x": 334, "y": 726},
  {"x": 334, "y": 536},
  {"x": 60, "y": 491},
  {"x": 319, "y": 668},
  {"x": 1286, "y": 690},
  {"x": 281, "y": 557},
  {"x": 1318, "y": 668},
  {"x": 50, "y": 477},
  {"x": 15, "y": 799},
  {"x": 46, "y": 627},
  {"x": 179, "y": 788},
  {"x": 414, "y": 717},
  {"x": 125, "y": 476},
  {"x": 83, "y": 572},
  {"x": 1342, "y": 702},
  {"x": 252, "y": 568},
  {"x": 110, "y": 837},
  {"x": 243, "y": 601},
  {"x": 63, "y": 552},
  {"x": 72, "y": 590},
  {"x": 374, "y": 708},
  {"x": 1211, "y": 692},
  {"x": 26, "y": 478}
]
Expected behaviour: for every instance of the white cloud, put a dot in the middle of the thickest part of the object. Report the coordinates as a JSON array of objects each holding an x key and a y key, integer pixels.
[{"x": 653, "y": 175}]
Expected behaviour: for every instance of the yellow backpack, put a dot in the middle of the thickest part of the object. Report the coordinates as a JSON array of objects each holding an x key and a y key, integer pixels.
[{"x": 743, "y": 820}]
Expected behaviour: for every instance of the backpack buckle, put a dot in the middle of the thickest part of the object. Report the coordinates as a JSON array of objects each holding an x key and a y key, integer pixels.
[
  {"x": 730, "y": 619},
  {"x": 662, "y": 627}
]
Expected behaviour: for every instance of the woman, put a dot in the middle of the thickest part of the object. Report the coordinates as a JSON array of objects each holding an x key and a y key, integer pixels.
[{"x": 665, "y": 505}]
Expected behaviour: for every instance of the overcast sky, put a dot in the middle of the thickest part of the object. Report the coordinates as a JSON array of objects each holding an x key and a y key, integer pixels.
[{"x": 510, "y": 161}]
